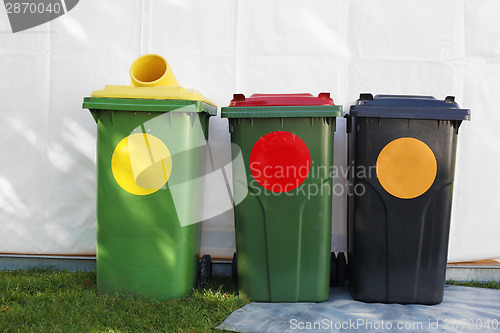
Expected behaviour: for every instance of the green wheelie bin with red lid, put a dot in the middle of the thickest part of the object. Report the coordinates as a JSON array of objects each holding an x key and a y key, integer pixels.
[{"x": 283, "y": 226}]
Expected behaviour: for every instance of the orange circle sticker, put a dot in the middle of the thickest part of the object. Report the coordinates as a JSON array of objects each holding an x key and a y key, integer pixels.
[
  {"x": 141, "y": 164},
  {"x": 406, "y": 168}
]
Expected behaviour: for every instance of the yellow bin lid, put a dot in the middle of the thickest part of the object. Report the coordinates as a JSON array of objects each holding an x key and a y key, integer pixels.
[
  {"x": 152, "y": 78},
  {"x": 172, "y": 92}
]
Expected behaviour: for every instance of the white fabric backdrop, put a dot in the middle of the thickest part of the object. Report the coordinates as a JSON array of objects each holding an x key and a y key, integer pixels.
[{"x": 427, "y": 47}]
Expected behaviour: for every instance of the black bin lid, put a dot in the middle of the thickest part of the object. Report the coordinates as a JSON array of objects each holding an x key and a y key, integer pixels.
[{"x": 408, "y": 107}]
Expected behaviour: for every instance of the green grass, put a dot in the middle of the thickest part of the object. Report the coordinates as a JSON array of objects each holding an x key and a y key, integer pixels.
[
  {"x": 490, "y": 285},
  {"x": 59, "y": 301}
]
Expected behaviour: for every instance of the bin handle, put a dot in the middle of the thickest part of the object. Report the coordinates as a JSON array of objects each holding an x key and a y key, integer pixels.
[
  {"x": 348, "y": 124},
  {"x": 365, "y": 97}
]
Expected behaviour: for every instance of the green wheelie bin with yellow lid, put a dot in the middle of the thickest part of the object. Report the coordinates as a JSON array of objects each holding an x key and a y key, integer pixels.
[{"x": 148, "y": 139}]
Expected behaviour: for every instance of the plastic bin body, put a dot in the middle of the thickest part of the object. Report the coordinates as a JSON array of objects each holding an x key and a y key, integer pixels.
[
  {"x": 283, "y": 239},
  {"x": 142, "y": 249},
  {"x": 397, "y": 237}
]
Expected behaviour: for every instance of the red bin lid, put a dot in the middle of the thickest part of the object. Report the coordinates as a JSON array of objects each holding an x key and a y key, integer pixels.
[{"x": 303, "y": 99}]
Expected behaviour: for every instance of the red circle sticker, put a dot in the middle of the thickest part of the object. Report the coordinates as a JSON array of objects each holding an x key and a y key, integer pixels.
[{"x": 280, "y": 161}]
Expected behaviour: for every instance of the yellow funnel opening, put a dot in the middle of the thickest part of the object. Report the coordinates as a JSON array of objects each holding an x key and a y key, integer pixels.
[{"x": 151, "y": 70}]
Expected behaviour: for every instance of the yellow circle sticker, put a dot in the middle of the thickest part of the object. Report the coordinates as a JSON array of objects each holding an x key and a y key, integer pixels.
[
  {"x": 141, "y": 164},
  {"x": 406, "y": 168}
]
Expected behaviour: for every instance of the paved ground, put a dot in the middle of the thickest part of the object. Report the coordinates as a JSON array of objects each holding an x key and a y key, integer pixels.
[{"x": 464, "y": 309}]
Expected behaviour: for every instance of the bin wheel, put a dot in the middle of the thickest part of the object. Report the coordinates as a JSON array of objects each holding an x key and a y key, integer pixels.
[
  {"x": 205, "y": 270},
  {"x": 234, "y": 269},
  {"x": 341, "y": 268},
  {"x": 333, "y": 270}
]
